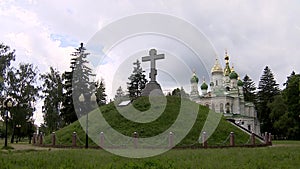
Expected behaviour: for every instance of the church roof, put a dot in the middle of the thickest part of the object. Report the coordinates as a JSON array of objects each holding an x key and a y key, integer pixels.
[
  {"x": 217, "y": 67},
  {"x": 204, "y": 86},
  {"x": 194, "y": 78},
  {"x": 233, "y": 74},
  {"x": 227, "y": 69}
]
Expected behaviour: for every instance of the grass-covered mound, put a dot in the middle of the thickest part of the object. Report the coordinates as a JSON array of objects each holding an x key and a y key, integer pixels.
[{"x": 163, "y": 122}]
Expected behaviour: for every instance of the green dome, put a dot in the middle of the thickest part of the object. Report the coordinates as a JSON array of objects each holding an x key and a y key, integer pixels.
[
  {"x": 240, "y": 83},
  {"x": 233, "y": 75},
  {"x": 194, "y": 79},
  {"x": 204, "y": 86}
]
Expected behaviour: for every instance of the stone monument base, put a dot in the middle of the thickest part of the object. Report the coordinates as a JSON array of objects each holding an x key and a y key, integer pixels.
[{"x": 153, "y": 87}]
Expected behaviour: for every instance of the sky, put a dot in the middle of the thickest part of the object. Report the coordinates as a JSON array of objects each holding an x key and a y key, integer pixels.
[{"x": 255, "y": 33}]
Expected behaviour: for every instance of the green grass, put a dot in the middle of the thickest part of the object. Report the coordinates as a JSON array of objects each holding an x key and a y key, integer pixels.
[
  {"x": 239, "y": 158},
  {"x": 167, "y": 118},
  {"x": 286, "y": 142}
]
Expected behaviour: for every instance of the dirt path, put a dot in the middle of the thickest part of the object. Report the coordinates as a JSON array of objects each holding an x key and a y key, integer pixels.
[{"x": 23, "y": 146}]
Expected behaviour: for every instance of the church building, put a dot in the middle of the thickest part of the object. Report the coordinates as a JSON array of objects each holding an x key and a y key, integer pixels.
[{"x": 226, "y": 96}]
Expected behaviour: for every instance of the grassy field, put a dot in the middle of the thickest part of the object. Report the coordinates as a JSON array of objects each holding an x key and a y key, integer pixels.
[{"x": 282, "y": 155}]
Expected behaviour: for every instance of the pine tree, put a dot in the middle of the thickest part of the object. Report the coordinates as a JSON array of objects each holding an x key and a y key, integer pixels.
[
  {"x": 249, "y": 89},
  {"x": 137, "y": 81},
  {"x": 68, "y": 114},
  {"x": 267, "y": 90},
  {"x": 119, "y": 95},
  {"x": 53, "y": 96},
  {"x": 77, "y": 80},
  {"x": 100, "y": 93}
]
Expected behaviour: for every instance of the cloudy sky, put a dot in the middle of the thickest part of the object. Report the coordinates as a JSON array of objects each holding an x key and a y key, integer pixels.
[{"x": 255, "y": 33}]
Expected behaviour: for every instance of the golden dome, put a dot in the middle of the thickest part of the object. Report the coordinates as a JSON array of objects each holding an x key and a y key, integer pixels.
[{"x": 217, "y": 67}]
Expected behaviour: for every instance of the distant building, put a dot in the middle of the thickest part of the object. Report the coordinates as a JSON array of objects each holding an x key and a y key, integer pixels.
[{"x": 226, "y": 96}]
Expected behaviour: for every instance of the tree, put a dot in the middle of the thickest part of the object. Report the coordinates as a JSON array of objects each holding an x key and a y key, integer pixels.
[
  {"x": 21, "y": 86},
  {"x": 291, "y": 95},
  {"x": 100, "y": 93},
  {"x": 53, "y": 96},
  {"x": 137, "y": 81},
  {"x": 68, "y": 114},
  {"x": 78, "y": 79},
  {"x": 179, "y": 92},
  {"x": 120, "y": 95},
  {"x": 278, "y": 110},
  {"x": 183, "y": 94},
  {"x": 176, "y": 92},
  {"x": 249, "y": 89},
  {"x": 6, "y": 56},
  {"x": 267, "y": 90}
]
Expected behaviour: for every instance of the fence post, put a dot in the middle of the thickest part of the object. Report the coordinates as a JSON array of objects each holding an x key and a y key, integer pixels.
[
  {"x": 270, "y": 139},
  {"x": 53, "y": 138},
  {"x": 34, "y": 138},
  {"x": 266, "y": 138},
  {"x": 252, "y": 139},
  {"x": 171, "y": 139},
  {"x": 135, "y": 139},
  {"x": 74, "y": 138},
  {"x": 101, "y": 139},
  {"x": 231, "y": 138},
  {"x": 204, "y": 140}
]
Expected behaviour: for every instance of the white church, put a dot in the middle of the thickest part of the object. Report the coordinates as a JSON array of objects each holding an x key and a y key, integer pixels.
[{"x": 226, "y": 96}]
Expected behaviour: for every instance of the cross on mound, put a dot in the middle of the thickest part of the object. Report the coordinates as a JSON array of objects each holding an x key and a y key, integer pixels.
[{"x": 152, "y": 85}]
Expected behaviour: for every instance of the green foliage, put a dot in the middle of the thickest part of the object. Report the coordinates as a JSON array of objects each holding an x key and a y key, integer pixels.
[
  {"x": 249, "y": 89},
  {"x": 137, "y": 81},
  {"x": 176, "y": 92},
  {"x": 6, "y": 56},
  {"x": 167, "y": 118},
  {"x": 77, "y": 80},
  {"x": 100, "y": 93},
  {"x": 120, "y": 95},
  {"x": 22, "y": 87},
  {"x": 291, "y": 118},
  {"x": 53, "y": 95},
  {"x": 180, "y": 93},
  {"x": 285, "y": 110},
  {"x": 267, "y": 90},
  {"x": 278, "y": 109}
]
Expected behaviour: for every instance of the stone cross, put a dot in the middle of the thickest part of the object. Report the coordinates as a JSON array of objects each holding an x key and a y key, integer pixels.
[{"x": 153, "y": 56}]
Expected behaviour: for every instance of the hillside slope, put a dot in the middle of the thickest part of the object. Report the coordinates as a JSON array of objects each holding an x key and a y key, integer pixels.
[{"x": 163, "y": 122}]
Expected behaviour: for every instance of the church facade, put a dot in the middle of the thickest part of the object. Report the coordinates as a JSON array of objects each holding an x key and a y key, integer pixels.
[{"x": 226, "y": 96}]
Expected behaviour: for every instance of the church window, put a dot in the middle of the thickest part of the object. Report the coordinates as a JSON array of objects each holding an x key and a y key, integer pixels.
[
  {"x": 249, "y": 127},
  {"x": 216, "y": 83},
  {"x": 221, "y": 107},
  {"x": 227, "y": 108},
  {"x": 213, "y": 107},
  {"x": 227, "y": 88}
]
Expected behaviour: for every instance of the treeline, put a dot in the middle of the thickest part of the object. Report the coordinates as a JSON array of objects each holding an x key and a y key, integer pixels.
[
  {"x": 278, "y": 110},
  {"x": 25, "y": 86},
  {"x": 18, "y": 83}
]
